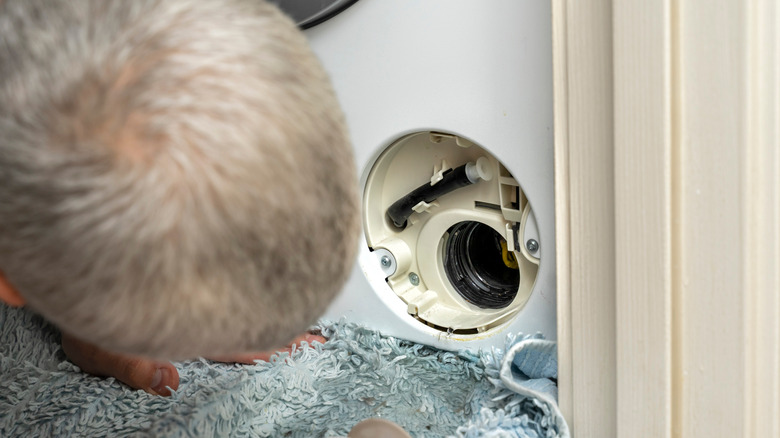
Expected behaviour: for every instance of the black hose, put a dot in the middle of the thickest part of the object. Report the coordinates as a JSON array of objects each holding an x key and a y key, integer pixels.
[{"x": 452, "y": 179}]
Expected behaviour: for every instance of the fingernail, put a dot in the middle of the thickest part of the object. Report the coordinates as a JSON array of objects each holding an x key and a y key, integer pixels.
[{"x": 158, "y": 381}]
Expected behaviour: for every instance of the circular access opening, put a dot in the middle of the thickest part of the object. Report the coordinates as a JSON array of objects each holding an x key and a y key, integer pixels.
[
  {"x": 480, "y": 267},
  {"x": 457, "y": 266}
]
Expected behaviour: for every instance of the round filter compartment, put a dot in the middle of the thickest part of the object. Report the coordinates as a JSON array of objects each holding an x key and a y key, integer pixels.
[{"x": 445, "y": 220}]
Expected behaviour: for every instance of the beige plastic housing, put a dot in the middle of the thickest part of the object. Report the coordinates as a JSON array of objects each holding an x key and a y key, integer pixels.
[{"x": 419, "y": 277}]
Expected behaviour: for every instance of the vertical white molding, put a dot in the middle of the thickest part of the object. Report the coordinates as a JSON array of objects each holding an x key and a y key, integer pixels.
[
  {"x": 697, "y": 208},
  {"x": 585, "y": 215},
  {"x": 761, "y": 227},
  {"x": 562, "y": 213},
  {"x": 643, "y": 209},
  {"x": 713, "y": 118}
]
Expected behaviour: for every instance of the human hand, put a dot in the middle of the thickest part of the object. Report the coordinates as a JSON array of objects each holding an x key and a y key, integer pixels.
[
  {"x": 265, "y": 356},
  {"x": 154, "y": 377}
]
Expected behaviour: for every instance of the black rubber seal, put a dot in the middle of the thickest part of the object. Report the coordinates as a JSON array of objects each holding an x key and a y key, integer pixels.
[
  {"x": 324, "y": 18},
  {"x": 475, "y": 266}
]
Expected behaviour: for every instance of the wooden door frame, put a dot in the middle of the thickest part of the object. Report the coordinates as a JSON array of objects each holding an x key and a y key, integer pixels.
[{"x": 667, "y": 132}]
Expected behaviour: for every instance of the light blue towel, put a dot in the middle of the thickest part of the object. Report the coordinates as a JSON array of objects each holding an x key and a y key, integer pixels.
[
  {"x": 322, "y": 390},
  {"x": 526, "y": 371}
]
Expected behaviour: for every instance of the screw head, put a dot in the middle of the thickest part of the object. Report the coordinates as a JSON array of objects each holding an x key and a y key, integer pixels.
[
  {"x": 532, "y": 245},
  {"x": 414, "y": 278},
  {"x": 385, "y": 261}
]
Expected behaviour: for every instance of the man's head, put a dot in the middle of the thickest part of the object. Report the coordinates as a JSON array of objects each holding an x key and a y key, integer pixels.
[{"x": 176, "y": 177}]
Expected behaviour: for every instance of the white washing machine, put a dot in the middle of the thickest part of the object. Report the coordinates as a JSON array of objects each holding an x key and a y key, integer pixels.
[{"x": 449, "y": 104}]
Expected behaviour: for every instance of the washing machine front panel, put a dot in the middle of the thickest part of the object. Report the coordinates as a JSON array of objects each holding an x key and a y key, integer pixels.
[{"x": 474, "y": 70}]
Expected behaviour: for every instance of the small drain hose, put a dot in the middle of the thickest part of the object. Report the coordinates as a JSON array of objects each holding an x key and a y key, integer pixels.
[{"x": 453, "y": 179}]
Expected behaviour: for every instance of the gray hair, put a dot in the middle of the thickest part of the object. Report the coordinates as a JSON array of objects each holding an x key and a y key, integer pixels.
[{"x": 176, "y": 177}]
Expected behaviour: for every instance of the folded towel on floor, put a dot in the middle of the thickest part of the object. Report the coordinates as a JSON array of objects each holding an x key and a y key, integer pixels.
[{"x": 318, "y": 390}]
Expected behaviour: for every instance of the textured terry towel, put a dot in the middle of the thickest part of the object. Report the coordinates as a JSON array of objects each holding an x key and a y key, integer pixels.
[{"x": 322, "y": 390}]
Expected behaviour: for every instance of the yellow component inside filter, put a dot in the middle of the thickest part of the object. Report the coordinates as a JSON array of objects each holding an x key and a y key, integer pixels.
[{"x": 508, "y": 256}]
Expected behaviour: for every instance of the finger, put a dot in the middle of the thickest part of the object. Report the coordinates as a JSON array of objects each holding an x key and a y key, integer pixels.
[
  {"x": 139, "y": 373},
  {"x": 265, "y": 356},
  {"x": 308, "y": 338},
  {"x": 250, "y": 358}
]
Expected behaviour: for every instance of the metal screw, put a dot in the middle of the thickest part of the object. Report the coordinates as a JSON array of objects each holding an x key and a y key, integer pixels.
[
  {"x": 414, "y": 278},
  {"x": 385, "y": 260},
  {"x": 532, "y": 245}
]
